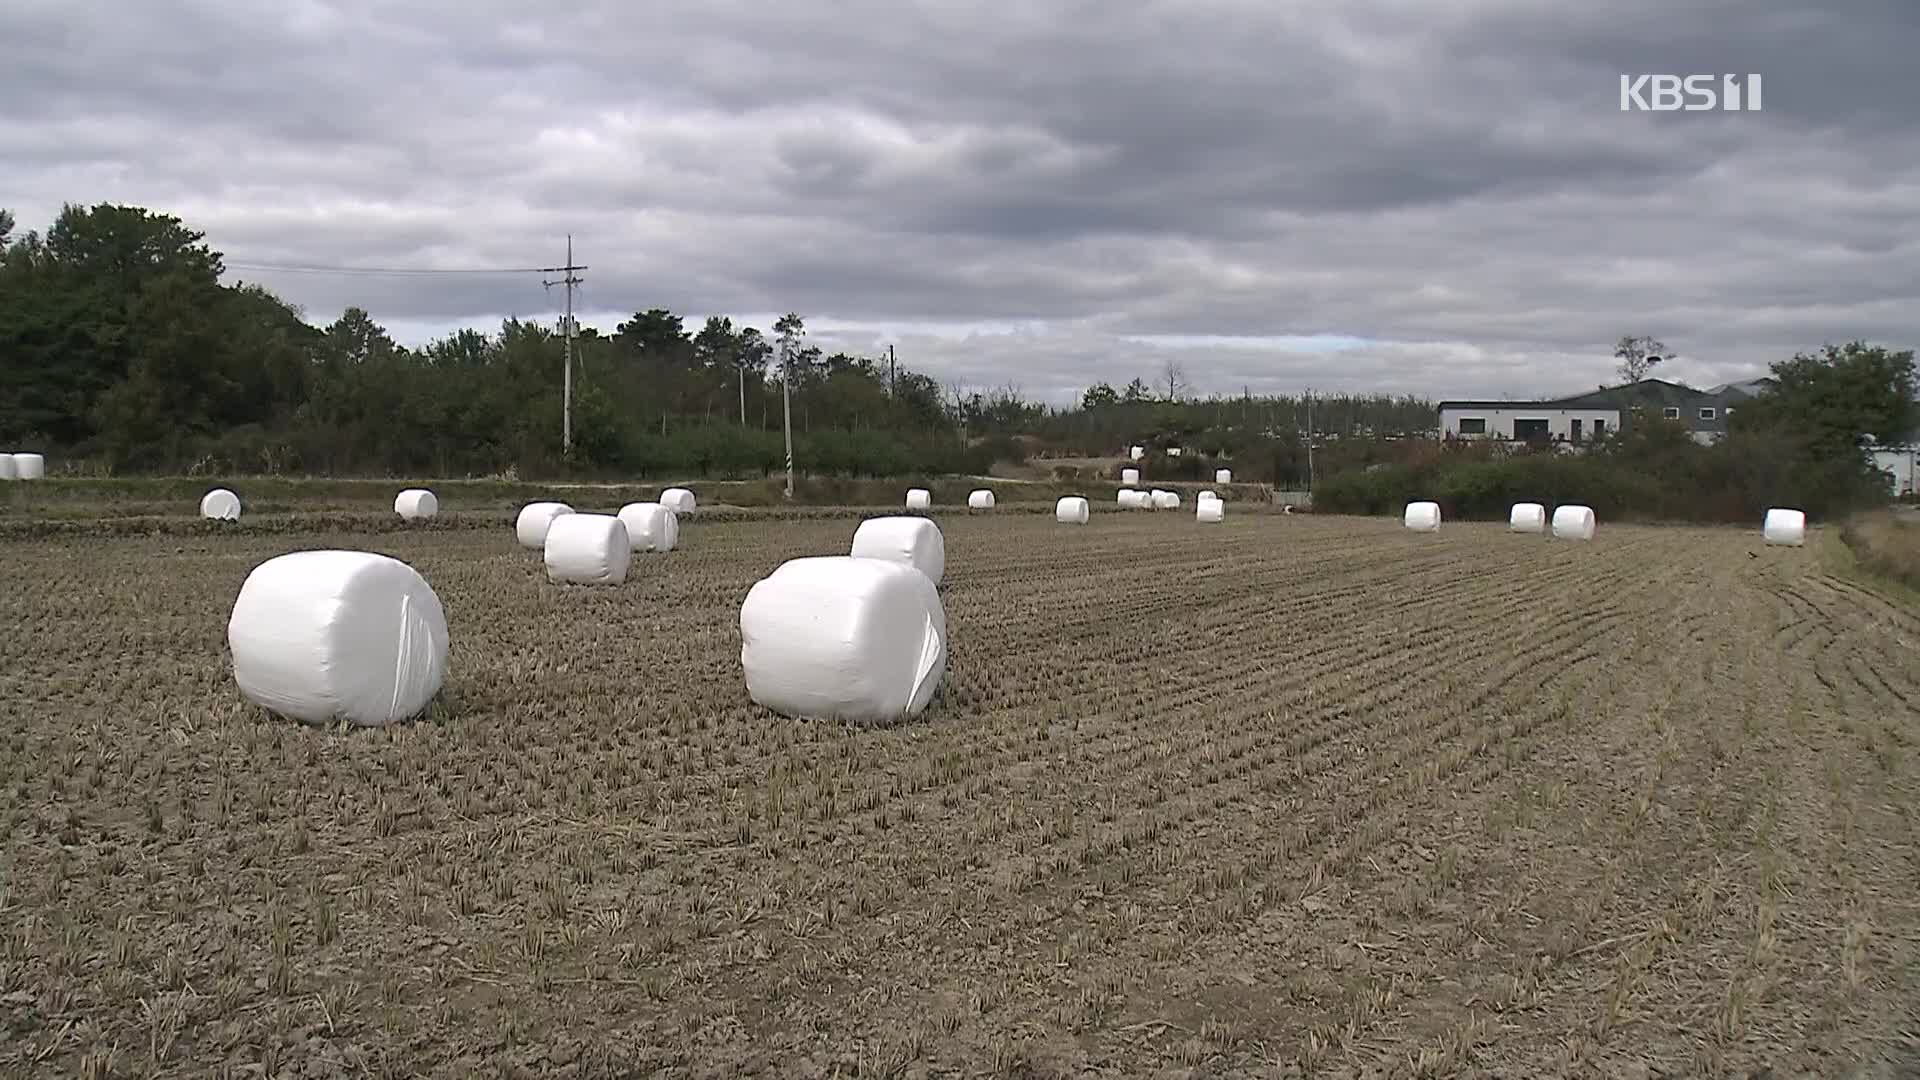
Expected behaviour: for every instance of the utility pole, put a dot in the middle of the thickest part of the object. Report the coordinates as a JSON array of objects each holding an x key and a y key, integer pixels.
[
  {"x": 786, "y": 407},
  {"x": 890, "y": 370},
  {"x": 1309, "y": 440},
  {"x": 567, "y": 331}
]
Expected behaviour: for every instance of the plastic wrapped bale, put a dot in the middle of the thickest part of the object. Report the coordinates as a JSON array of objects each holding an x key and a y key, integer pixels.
[
  {"x": 1209, "y": 494},
  {"x": 1136, "y": 453},
  {"x": 220, "y": 505},
  {"x": 8, "y": 470},
  {"x": 836, "y": 637},
  {"x": 919, "y": 499},
  {"x": 1223, "y": 476},
  {"x": 1071, "y": 510},
  {"x": 416, "y": 504},
  {"x": 1422, "y": 516},
  {"x": 980, "y": 500},
  {"x": 323, "y": 636},
  {"x": 587, "y": 549},
  {"x": 1784, "y": 527},
  {"x": 1573, "y": 522},
  {"x": 678, "y": 500},
  {"x": 1173, "y": 451},
  {"x": 1527, "y": 518},
  {"x": 1166, "y": 500},
  {"x": 1124, "y": 498},
  {"x": 1210, "y": 511},
  {"x": 534, "y": 521},
  {"x": 910, "y": 541},
  {"x": 29, "y": 466},
  {"x": 650, "y": 526},
  {"x": 1130, "y": 477}
]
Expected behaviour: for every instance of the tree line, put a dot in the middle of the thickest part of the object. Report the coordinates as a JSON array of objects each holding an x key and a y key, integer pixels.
[{"x": 120, "y": 344}]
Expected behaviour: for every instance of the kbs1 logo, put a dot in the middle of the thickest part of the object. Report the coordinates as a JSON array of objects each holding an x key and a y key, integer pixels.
[{"x": 1692, "y": 93}]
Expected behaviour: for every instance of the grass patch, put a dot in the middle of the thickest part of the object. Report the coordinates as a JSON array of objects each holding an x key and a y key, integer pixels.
[{"x": 1883, "y": 546}]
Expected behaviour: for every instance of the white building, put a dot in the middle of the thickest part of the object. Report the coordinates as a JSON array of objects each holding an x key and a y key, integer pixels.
[
  {"x": 1525, "y": 421},
  {"x": 1901, "y": 464}
]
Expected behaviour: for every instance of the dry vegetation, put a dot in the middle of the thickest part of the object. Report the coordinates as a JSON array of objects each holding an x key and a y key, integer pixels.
[{"x": 1287, "y": 797}]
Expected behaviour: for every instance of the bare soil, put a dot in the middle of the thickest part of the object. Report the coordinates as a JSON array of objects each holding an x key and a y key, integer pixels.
[{"x": 1290, "y": 796}]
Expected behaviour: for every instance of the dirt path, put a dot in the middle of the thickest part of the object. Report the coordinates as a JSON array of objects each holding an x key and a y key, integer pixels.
[{"x": 1290, "y": 796}]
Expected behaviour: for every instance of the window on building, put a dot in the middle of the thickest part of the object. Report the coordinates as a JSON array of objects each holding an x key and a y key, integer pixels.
[
  {"x": 1532, "y": 430},
  {"x": 1473, "y": 425},
  {"x": 1671, "y": 412},
  {"x": 1599, "y": 428},
  {"x": 1707, "y": 413}
]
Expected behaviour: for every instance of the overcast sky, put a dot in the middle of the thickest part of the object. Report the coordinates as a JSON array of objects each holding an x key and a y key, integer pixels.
[{"x": 1407, "y": 196}]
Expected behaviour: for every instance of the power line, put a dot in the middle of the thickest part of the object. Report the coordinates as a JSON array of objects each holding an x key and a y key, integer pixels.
[{"x": 388, "y": 271}]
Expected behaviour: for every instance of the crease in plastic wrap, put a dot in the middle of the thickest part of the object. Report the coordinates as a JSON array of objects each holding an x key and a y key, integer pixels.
[
  {"x": 980, "y": 499},
  {"x": 530, "y": 528},
  {"x": 838, "y": 637},
  {"x": 29, "y": 467},
  {"x": 1527, "y": 518},
  {"x": 220, "y": 505},
  {"x": 416, "y": 504},
  {"x": 587, "y": 549},
  {"x": 650, "y": 526},
  {"x": 1071, "y": 510},
  {"x": 1785, "y": 527},
  {"x": 678, "y": 500},
  {"x": 1573, "y": 522},
  {"x": 1422, "y": 516},
  {"x": 320, "y": 636},
  {"x": 910, "y": 541}
]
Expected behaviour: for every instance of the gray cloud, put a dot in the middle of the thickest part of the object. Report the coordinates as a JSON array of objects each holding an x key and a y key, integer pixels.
[{"x": 1452, "y": 183}]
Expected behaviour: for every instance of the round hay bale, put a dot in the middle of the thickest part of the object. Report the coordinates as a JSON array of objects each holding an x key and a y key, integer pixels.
[
  {"x": 1130, "y": 477},
  {"x": 534, "y": 521},
  {"x": 29, "y": 466},
  {"x": 1166, "y": 500},
  {"x": 679, "y": 500},
  {"x": 1785, "y": 527},
  {"x": 1210, "y": 511},
  {"x": 587, "y": 549},
  {"x": 220, "y": 505},
  {"x": 416, "y": 504},
  {"x": 323, "y": 636},
  {"x": 839, "y": 637},
  {"x": 919, "y": 499},
  {"x": 1422, "y": 516},
  {"x": 1136, "y": 453},
  {"x": 1223, "y": 476},
  {"x": 1527, "y": 518},
  {"x": 650, "y": 526},
  {"x": 1071, "y": 510},
  {"x": 8, "y": 470},
  {"x": 980, "y": 499},
  {"x": 910, "y": 541},
  {"x": 1573, "y": 522}
]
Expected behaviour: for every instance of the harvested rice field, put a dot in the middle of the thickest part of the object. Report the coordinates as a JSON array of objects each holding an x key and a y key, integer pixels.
[{"x": 1287, "y": 796}]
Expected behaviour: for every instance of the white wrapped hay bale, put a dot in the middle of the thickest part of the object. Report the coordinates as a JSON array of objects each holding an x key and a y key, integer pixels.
[
  {"x": 220, "y": 505},
  {"x": 1527, "y": 518},
  {"x": 1223, "y": 476},
  {"x": 678, "y": 500},
  {"x": 320, "y": 636},
  {"x": 1131, "y": 499},
  {"x": 587, "y": 549},
  {"x": 1573, "y": 522},
  {"x": 29, "y": 466},
  {"x": 1423, "y": 516},
  {"x": 416, "y": 504},
  {"x": 910, "y": 541},
  {"x": 1173, "y": 451},
  {"x": 1209, "y": 495},
  {"x": 981, "y": 499},
  {"x": 8, "y": 470},
  {"x": 1136, "y": 453},
  {"x": 837, "y": 637},
  {"x": 1209, "y": 511},
  {"x": 1071, "y": 510},
  {"x": 919, "y": 498},
  {"x": 1166, "y": 500},
  {"x": 1784, "y": 527},
  {"x": 650, "y": 526},
  {"x": 1130, "y": 477},
  {"x": 534, "y": 521}
]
